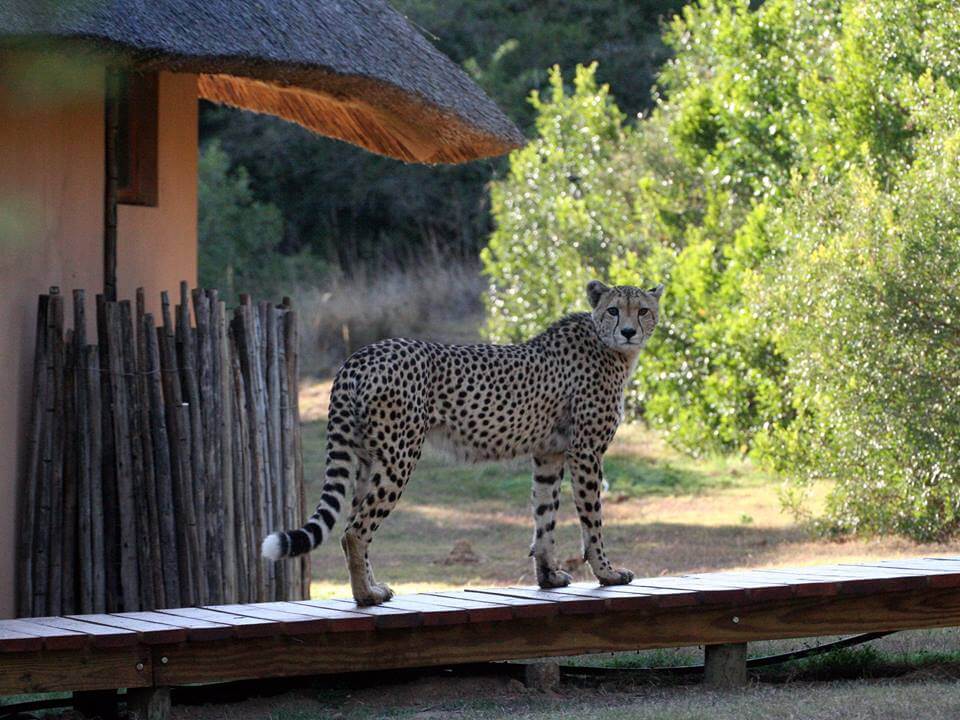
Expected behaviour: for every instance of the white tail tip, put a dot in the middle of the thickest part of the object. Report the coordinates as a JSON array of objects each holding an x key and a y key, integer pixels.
[{"x": 271, "y": 548}]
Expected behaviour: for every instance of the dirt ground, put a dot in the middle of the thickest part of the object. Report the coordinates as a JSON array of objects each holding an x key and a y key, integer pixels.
[{"x": 932, "y": 694}]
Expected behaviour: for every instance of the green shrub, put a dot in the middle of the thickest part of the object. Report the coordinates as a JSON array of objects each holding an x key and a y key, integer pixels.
[
  {"x": 866, "y": 307},
  {"x": 797, "y": 188},
  {"x": 239, "y": 238},
  {"x": 562, "y": 212}
]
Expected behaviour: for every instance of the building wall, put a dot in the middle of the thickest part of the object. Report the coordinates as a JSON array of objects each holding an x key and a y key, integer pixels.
[
  {"x": 51, "y": 222},
  {"x": 157, "y": 246}
]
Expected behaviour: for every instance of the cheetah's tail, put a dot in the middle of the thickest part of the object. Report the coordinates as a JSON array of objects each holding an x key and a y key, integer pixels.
[{"x": 342, "y": 470}]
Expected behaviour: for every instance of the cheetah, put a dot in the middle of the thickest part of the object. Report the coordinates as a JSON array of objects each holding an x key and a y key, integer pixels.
[{"x": 557, "y": 398}]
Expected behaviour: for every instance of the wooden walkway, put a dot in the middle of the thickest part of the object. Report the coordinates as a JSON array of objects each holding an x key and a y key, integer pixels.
[{"x": 231, "y": 642}]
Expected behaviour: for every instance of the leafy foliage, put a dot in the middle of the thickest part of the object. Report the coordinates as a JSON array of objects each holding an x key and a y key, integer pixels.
[
  {"x": 561, "y": 212},
  {"x": 797, "y": 188},
  {"x": 866, "y": 315},
  {"x": 238, "y": 236}
]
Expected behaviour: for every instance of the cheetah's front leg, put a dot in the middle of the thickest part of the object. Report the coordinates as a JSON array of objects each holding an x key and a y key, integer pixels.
[
  {"x": 545, "y": 497},
  {"x": 586, "y": 471}
]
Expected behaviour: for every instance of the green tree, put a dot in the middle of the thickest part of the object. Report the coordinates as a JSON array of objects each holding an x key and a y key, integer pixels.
[
  {"x": 239, "y": 237},
  {"x": 865, "y": 307},
  {"x": 562, "y": 211}
]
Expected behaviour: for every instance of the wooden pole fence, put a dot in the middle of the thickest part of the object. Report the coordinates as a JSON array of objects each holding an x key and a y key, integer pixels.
[{"x": 159, "y": 456}]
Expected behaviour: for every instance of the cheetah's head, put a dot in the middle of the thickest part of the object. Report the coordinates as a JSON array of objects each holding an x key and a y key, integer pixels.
[{"x": 624, "y": 316}]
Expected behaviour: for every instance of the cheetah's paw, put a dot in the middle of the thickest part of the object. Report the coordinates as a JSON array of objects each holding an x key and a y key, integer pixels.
[
  {"x": 618, "y": 576},
  {"x": 376, "y": 595},
  {"x": 547, "y": 578}
]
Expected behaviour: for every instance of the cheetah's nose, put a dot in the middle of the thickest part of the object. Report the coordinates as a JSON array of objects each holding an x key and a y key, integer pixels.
[{"x": 628, "y": 332}]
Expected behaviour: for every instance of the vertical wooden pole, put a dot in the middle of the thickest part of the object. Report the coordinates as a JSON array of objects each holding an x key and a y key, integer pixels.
[
  {"x": 215, "y": 487},
  {"x": 126, "y": 508},
  {"x": 292, "y": 580},
  {"x": 246, "y": 569},
  {"x": 67, "y": 536},
  {"x": 251, "y": 363},
  {"x": 108, "y": 469},
  {"x": 55, "y": 345},
  {"x": 149, "y": 483},
  {"x": 85, "y": 556},
  {"x": 211, "y": 520},
  {"x": 292, "y": 352},
  {"x": 140, "y": 506},
  {"x": 111, "y": 114},
  {"x": 31, "y": 492},
  {"x": 188, "y": 527},
  {"x": 188, "y": 367},
  {"x": 182, "y": 479},
  {"x": 97, "y": 543},
  {"x": 227, "y": 469},
  {"x": 275, "y": 488},
  {"x": 166, "y": 509}
]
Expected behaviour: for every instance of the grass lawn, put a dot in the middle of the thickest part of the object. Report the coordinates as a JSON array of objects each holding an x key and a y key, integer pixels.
[{"x": 664, "y": 513}]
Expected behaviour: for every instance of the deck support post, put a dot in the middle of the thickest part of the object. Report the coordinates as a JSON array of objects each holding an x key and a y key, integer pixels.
[
  {"x": 96, "y": 704},
  {"x": 725, "y": 665},
  {"x": 149, "y": 703},
  {"x": 543, "y": 676}
]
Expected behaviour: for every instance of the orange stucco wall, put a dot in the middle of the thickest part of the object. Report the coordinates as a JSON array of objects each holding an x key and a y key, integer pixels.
[
  {"x": 51, "y": 220},
  {"x": 157, "y": 246}
]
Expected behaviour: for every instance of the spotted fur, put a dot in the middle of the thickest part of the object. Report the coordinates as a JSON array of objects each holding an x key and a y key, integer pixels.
[{"x": 557, "y": 398}]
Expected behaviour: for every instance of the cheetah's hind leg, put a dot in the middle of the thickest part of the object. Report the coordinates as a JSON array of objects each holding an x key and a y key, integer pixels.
[
  {"x": 545, "y": 498},
  {"x": 375, "y": 499}
]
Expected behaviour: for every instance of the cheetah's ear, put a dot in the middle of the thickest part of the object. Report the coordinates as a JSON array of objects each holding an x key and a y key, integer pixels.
[
  {"x": 595, "y": 290},
  {"x": 656, "y": 291}
]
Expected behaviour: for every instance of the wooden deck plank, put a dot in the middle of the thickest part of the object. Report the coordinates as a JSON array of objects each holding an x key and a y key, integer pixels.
[
  {"x": 197, "y": 628},
  {"x": 705, "y": 592},
  {"x": 14, "y": 641},
  {"x": 938, "y": 567},
  {"x": 99, "y": 635},
  {"x": 666, "y": 597},
  {"x": 861, "y": 580},
  {"x": 566, "y": 604},
  {"x": 612, "y": 600},
  {"x": 936, "y": 574},
  {"x": 288, "y": 622},
  {"x": 383, "y": 615},
  {"x": 477, "y": 610},
  {"x": 242, "y": 625},
  {"x": 765, "y": 587},
  {"x": 799, "y": 585},
  {"x": 877, "y": 570},
  {"x": 432, "y": 611},
  {"x": 340, "y": 620},
  {"x": 520, "y": 608},
  {"x": 149, "y": 633},
  {"x": 54, "y": 638}
]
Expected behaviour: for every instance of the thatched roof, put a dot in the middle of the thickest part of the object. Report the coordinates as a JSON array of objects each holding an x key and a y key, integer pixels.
[{"x": 351, "y": 69}]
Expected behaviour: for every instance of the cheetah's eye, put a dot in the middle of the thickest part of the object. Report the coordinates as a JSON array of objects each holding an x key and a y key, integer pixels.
[
  {"x": 613, "y": 311},
  {"x": 643, "y": 311}
]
